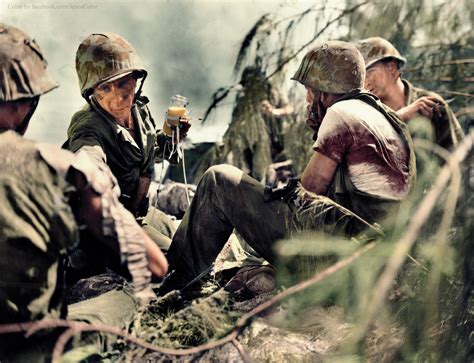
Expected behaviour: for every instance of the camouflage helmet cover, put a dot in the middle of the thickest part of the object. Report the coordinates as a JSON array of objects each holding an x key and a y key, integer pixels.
[
  {"x": 333, "y": 67},
  {"x": 376, "y": 49},
  {"x": 22, "y": 66},
  {"x": 105, "y": 57}
]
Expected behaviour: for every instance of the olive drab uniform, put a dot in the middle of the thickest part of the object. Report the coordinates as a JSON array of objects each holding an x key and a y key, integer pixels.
[
  {"x": 38, "y": 227},
  {"x": 104, "y": 57},
  {"x": 443, "y": 130},
  {"x": 95, "y": 132},
  {"x": 39, "y": 221}
]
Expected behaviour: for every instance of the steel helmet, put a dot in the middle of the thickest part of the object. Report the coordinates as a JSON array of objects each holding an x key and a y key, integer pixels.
[
  {"x": 105, "y": 57},
  {"x": 376, "y": 49},
  {"x": 22, "y": 66},
  {"x": 333, "y": 67}
]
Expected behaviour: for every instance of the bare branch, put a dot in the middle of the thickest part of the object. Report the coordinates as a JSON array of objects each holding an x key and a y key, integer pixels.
[
  {"x": 241, "y": 351},
  {"x": 248, "y": 40},
  {"x": 303, "y": 47},
  {"x": 78, "y": 327}
]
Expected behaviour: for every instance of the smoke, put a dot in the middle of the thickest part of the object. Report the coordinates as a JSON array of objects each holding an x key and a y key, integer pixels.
[{"x": 188, "y": 48}]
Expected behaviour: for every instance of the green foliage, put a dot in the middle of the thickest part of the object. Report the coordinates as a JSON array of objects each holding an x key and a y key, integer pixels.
[
  {"x": 169, "y": 322},
  {"x": 429, "y": 308}
]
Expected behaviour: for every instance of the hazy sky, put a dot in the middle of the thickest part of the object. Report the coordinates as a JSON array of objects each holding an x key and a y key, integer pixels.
[{"x": 188, "y": 47}]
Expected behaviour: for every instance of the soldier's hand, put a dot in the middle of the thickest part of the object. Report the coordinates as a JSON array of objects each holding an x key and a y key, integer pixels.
[
  {"x": 426, "y": 106},
  {"x": 184, "y": 126}
]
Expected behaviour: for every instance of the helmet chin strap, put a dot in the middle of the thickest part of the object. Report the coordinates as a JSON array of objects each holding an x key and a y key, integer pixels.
[
  {"x": 23, "y": 126},
  {"x": 139, "y": 91},
  {"x": 319, "y": 109}
]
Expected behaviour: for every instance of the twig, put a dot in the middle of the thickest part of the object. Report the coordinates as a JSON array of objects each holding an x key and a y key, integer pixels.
[
  {"x": 241, "y": 351},
  {"x": 303, "y": 47},
  {"x": 454, "y": 93},
  {"x": 442, "y": 64},
  {"x": 61, "y": 342},
  {"x": 408, "y": 239},
  {"x": 442, "y": 153},
  {"x": 78, "y": 327},
  {"x": 302, "y": 14},
  {"x": 441, "y": 240}
]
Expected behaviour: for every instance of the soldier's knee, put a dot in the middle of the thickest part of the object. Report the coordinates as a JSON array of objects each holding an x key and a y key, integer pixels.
[{"x": 218, "y": 173}]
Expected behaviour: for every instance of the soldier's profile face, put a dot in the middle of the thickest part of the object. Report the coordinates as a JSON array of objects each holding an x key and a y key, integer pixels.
[
  {"x": 116, "y": 97},
  {"x": 312, "y": 99},
  {"x": 377, "y": 78}
]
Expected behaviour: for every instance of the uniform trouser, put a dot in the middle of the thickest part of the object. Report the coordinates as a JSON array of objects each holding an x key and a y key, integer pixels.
[
  {"x": 159, "y": 227},
  {"x": 238, "y": 253},
  {"x": 116, "y": 307},
  {"x": 226, "y": 198}
]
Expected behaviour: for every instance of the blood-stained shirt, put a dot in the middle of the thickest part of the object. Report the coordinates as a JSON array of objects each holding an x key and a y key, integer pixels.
[{"x": 362, "y": 140}]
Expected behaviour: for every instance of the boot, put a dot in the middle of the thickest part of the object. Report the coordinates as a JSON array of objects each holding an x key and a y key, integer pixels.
[{"x": 251, "y": 281}]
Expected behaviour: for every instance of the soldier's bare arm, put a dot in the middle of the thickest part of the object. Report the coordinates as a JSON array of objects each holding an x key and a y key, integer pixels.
[
  {"x": 427, "y": 106},
  {"x": 92, "y": 214},
  {"x": 318, "y": 174},
  {"x": 157, "y": 262}
]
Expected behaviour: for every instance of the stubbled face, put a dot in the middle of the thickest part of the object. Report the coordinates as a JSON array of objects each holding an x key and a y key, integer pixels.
[
  {"x": 378, "y": 79},
  {"x": 12, "y": 114},
  {"x": 312, "y": 98},
  {"x": 116, "y": 97}
]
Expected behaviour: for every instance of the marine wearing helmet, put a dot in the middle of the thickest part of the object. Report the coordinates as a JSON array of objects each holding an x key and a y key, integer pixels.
[
  {"x": 105, "y": 57},
  {"x": 23, "y": 78},
  {"x": 428, "y": 116},
  {"x": 116, "y": 128}
]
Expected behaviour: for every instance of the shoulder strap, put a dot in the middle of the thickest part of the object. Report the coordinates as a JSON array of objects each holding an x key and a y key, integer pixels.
[{"x": 394, "y": 120}]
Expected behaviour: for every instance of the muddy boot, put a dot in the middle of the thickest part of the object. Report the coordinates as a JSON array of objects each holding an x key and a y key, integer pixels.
[{"x": 251, "y": 281}]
